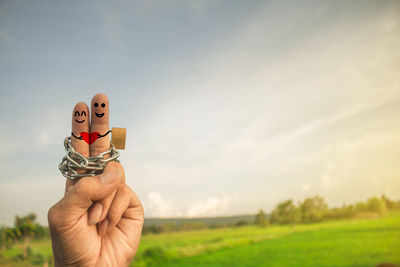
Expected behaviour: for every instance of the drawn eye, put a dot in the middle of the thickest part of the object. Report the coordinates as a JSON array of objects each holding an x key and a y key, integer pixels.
[
  {"x": 96, "y": 105},
  {"x": 77, "y": 113},
  {"x": 103, "y": 105},
  {"x": 83, "y": 113}
]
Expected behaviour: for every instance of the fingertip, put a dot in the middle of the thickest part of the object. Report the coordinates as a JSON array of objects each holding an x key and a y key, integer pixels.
[
  {"x": 81, "y": 104},
  {"x": 99, "y": 96},
  {"x": 77, "y": 112},
  {"x": 100, "y": 105}
]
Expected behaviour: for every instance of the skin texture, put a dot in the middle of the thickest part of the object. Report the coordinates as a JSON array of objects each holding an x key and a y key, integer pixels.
[{"x": 99, "y": 220}]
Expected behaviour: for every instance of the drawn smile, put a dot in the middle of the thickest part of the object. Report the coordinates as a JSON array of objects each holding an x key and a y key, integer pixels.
[
  {"x": 79, "y": 121},
  {"x": 99, "y": 115}
]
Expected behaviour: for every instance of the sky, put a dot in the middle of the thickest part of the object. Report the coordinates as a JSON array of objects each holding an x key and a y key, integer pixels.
[{"x": 230, "y": 106}]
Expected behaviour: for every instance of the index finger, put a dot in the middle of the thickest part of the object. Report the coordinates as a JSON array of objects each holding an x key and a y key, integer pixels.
[
  {"x": 80, "y": 129},
  {"x": 79, "y": 132}
]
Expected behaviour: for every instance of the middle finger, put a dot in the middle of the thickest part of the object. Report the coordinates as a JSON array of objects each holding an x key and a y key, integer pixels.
[{"x": 100, "y": 140}]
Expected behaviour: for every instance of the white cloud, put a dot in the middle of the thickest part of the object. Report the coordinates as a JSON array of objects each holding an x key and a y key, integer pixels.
[
  {"x": 330, "y": 166},
  {"x": 210, "y": 207},
  {"x": 305, "y": 188},
  {"x": 156, "y": 206},
  {"x": 326, "y": 180}
]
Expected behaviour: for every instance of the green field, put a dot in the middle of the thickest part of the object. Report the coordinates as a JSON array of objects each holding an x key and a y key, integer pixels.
[{"x": 365, "y": 242}]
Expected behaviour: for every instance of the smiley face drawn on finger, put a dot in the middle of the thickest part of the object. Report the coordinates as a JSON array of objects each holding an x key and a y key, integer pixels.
[
  {"x": 96, "y": 105},
  {"x": 80, "y": 124},
  {"x": 100, "y": 110},
  {"x": 80, "y": 117}
]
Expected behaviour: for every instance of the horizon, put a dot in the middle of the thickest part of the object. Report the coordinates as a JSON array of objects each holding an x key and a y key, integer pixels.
[
  {"x": 267, "y": 212},
  {"x": 230, "y": 107}
]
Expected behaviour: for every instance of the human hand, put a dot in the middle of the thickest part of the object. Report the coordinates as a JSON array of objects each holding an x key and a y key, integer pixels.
[{"x": 99, "y": 220}]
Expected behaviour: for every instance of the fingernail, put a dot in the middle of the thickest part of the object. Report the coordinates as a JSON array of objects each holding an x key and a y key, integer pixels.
[
  {"x": 103, "y": 227},
  {"x": 95, "y": 213},
  {"x": 108, "y": 177}
]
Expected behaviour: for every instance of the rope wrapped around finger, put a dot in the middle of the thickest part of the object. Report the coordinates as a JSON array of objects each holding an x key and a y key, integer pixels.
[{"x": 73, "y": 163}]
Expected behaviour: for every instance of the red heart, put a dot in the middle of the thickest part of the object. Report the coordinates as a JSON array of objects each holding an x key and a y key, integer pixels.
[
  {"x": 85, "y": 136},
  {"x": 89, "y": 138}
]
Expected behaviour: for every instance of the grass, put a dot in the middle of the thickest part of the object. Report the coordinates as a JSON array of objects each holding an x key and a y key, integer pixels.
[
  {"x": 363, "y": 242},
  {"x": 9, "y": 257}
]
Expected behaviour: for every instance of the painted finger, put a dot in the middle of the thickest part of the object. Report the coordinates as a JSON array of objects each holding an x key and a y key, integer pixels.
[
  {"x": 80, "y": 132},
  {"x": 99, "y": 128},
  {"x": 80, "y": 129},
  {"x": 100, "y": 138}
]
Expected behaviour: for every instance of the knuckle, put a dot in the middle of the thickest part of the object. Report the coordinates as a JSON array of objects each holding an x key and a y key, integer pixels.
[
  {"x": 81, "y": 186},
  {"x": 113, "y": 165},
  {"x": 125, "y": 190},
  {"x": 52, "y": 215},
  {"x": 116, "y": 166}
]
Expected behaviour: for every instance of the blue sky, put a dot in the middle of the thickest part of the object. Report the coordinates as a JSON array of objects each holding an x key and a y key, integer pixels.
[{"x": 230, "y": 106}]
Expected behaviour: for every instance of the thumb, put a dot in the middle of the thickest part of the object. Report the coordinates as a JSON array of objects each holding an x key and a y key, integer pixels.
[{"x": 90, "y": 189}]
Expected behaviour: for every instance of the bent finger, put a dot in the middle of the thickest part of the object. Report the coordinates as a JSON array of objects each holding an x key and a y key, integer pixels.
[
  {"x": 119, "y": 205},
  {"x": 131, "y": 222}
]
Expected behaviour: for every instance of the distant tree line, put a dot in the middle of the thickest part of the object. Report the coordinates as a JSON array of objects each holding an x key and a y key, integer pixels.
[
  {"x": 189, "y": 226},
  {"x": 315, "y": 209},
  {"x": 312, "y": 209},
  {"x": 173, "y": 227}
]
